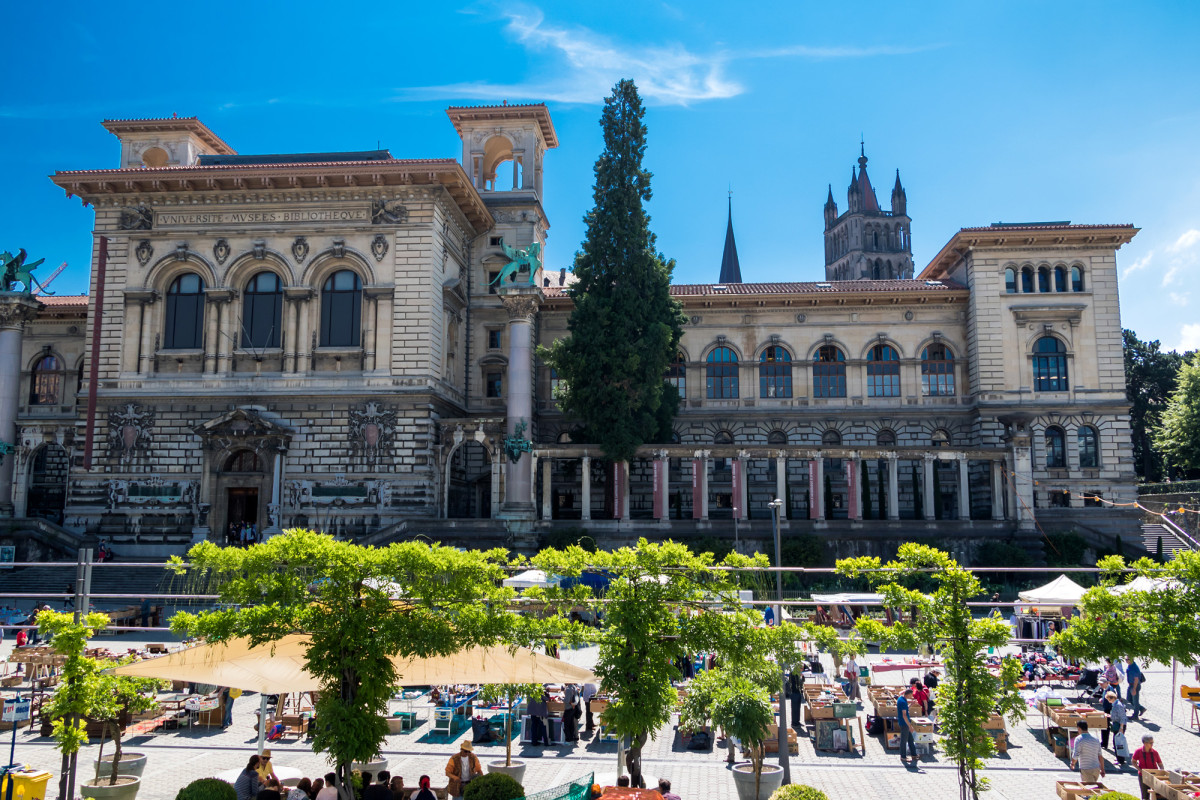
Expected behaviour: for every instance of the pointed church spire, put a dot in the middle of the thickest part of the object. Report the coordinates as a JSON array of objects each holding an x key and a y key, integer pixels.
[
  {"x": 869, "y": 201},
  {"x": 731, "y": 270},
  {"x": 899, "y": 200}
]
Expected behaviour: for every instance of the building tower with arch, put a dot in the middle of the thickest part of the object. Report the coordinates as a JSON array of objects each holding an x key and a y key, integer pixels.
[{"x": 866, "y": 242}]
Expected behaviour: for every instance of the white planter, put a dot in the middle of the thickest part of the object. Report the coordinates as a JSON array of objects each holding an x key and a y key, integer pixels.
[
  {"x": 126, "y": 788},
  {"x": 516, "y": 771},
  {"x": 373, "y": 767},
  {"x": 743, "y": 778},
  {"x": 131, "y": 764}
]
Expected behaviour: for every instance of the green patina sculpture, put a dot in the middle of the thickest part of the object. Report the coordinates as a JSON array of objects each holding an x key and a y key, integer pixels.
[
  {"x": 17, "y": 271},
  {"x": 526, "y": 258},
  {"x": 517, "y": 443}
]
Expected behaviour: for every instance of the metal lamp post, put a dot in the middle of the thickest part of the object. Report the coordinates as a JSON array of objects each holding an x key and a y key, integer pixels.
[{"x": 775, "y": 506}]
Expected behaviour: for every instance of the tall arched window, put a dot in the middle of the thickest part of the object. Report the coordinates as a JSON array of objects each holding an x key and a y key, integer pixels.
[
  {"x": 1060, "y": 279},
  {"x": 883, "y": 371},
  {"x": 677, "y": 374},
  {"x": 775, "y": 373},
  {"x": 829, "y": 372},
  {"x": 1049, "y": 365},
  {"x": 262, "y": 311},
  {"x": 1043, "y": 279},
  {"x": 46, "y": 382},
  {"x": 1076, "y": 279},
  {"x": 722, "y": 374},
  {"x": 1056, "y": 449},
  {"x": 1010, "y": 280},
  {"x": 185, "y": 313},
  {"x": 341, "y": 310},
  {"x": 937, "y": 371},
  {"x": 1089, "y": 447},
  {"x": 1027, "y": 280}
]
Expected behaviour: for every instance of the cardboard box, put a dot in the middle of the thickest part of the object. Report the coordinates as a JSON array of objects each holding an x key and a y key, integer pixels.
[
  {"x": 995, "y": 722},
  {"x": 1073, "y": 790},
  {"x": 822, "y": 712}
]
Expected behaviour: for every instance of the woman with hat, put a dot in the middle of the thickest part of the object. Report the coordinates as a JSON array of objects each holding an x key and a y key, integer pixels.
[
  {"x": 461, "y": 768},
  {"x": 265, "y": 769}
]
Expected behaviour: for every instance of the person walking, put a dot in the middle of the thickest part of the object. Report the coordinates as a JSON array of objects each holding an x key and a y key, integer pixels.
[
  {"x": 248, "y": 784},
  {"x": 538, "y": 713},
  {"x": 905, "y": 723},
  {"x": 1133, "y": 674},
  {"x": 587, "y": 693},
  {"x": 796, "y": 692},
  {"x": 1106, "y": 704},
  {"x": 570, "y": 716},
  {"x": 1087, "y": 755},
  {"x": 227, "y": 699},
  {"x": 462, "y": 768},
  {"x": 1114, "y": 674},
  {"x": 1146, "y": 757},
  {"x": 1118, "y": 717}
]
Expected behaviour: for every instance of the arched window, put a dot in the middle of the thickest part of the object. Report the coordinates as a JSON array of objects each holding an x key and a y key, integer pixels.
[
  {"x": 775, "y": 373},
  {"x": 1060, "y": 279},
  {"x": 564, "y": 437},
  {"x": 1076, "y": 279},
  {"x": 1027, "y": 280},
  {"x": 45, "y": 382},
  {"x": 937, "y": 371},
  {"x": 883, "y": 371},
  {"x": 777, "y": 437},
  {"x": 341, "y": 310},
  {"x": 555, "y": 385},
  {"x": 829, "y": 372},
  {"x": 185, "y": 313},
  {"x": 1043, "y": 279},
  {"x": 1056, "y": 449},
  {"x": 1049, "y": 365},
  {"x": 831, "y": 437},
  {"x": 263, "y": 311},
  {"x": 722, "y": 374},
  {"x": 677, "y": 374},
  {"x": 1089, "y": 447},
  {"x": 723, "y": 437},
  {"x": 885, "y": 438},
  {"x": 1010, "y": 280},
  {"x": 940, "y": 438},
  {"x": 243, "y": 461}
]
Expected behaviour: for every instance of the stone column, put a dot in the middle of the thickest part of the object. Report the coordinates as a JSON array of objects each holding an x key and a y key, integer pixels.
[
  {"x": 368, "y": 335},
  {"x": 1020, "y": 442},
  {"x": 383, "y": 330},
  {"x": 211, "y": 346},
  {"x": 781, "y": 483},
  {"x": 16, "y": 308},
  {"x": 817, "y": 493},
  {"x": 964, "y": 487},
  {"x": 275, "y": 507},
  {"x": 547, "y": 488},
  {"x": 855, "y": 486},
  {"x": 228, "y": 335},
  {"x": 585, "y": 502},
  {"x": 146, "y": 351},
  {"x": 623, "y": 511},
  {"x": 927, "y": 487},
  {"x": 743, "y": 487},
  {"x": 533, "y": 461},
  {"x": 521, "y": 303},
  {"x": 997, "y": 489},
  {"x": 703, "y": 464},
  {"x": 298, "y": 338},
  {"x": 290, "y": 311},
  {"x": 133, "y": 334},
  {"x": 893, "y": 487},
  {"x": 664, "y": 484}
]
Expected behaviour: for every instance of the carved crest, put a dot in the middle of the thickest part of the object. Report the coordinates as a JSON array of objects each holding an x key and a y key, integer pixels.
[
  {"x": 260, "y": 249},
  {"x": 339, "y": 248},
  {"x": 379, "y": 247},
  {"x": 143, "y": 252},
  {"x": 129, "y": 431},
  {"x": 136, "y": 218},
  {"x": 388, "y": 212},
  {"x": 181, "y": 251},
  {"x": 300, "y": 249},
  {"x": 221, "y": 251},
  {"x": 372, "y": 429}
]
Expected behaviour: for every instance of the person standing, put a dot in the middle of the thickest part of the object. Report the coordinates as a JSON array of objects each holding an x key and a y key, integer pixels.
[
  {"x": 1087, "y": 755},
  {"x": 1133, "y": 674},
  {"x": 570, "y": 717},
  {"x": 796, "y": 692},
  {"x": 931, "y": 684},
  {"x": 1110, "y": 694},
  {"x": 538, "y": 713},
  {"x": 227, "y": 705},
  {"x": 664, "y": 788},
  {"x": 248, "y": 783},
  {"x": 589, "y": 691},
  {"x": 1113, "y": 674},
  {"x": 1117, "y": 719},
  {"x": 1146, "y": 757},
  {"x": 852, "y": 680},
  {"x": 380, "y": 790},
  {"x": 904, "y": 721},
  {"x": 462, "y": 769}
]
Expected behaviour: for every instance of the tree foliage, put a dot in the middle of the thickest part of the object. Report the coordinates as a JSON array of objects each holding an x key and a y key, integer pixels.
[
  {"x": 509, "y": 692},
  {"x": 1150, "y": 378},
  {"x": 970, "y": 694},
  {"x": 1179, "y": 435},
  {"x": 361, "y": 606},
  {"x": 624, "y": 327}
]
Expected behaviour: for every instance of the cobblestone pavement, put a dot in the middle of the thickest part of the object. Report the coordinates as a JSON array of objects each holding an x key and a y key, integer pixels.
[{"x": 1028, "y": 770}]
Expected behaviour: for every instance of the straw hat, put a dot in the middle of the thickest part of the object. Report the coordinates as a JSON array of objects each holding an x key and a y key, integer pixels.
[
  {"x": 466, "y": 745},
  {"x": 266, "y": 753}
]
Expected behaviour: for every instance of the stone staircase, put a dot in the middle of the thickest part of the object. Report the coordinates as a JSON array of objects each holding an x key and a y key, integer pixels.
[
  {"x": 1171, "y": 543},
  {"x": 111, "y": 578}
]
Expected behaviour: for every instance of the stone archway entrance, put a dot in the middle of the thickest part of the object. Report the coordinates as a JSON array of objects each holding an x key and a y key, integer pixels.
[
  {"x": 48, "y": 484},
  {"x": 241, "y": 484},
  {"x": 245, "y": 455},
  {"x": 470, "y": 487}
]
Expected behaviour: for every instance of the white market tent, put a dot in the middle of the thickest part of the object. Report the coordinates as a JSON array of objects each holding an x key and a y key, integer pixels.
[
  {"x": 1062, "y": 591},
  {"x": 1141, "y": 584},
  {"x": 529, "y": 579},
  {"x": 849, "y": 598}
]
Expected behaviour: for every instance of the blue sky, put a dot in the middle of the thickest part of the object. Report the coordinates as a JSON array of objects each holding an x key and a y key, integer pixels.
[{"x": 1001, "y": 111}]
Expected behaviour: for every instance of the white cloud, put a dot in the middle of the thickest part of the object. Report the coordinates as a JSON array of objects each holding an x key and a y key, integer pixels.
[
  {"x": 1185, "y": 256},
  {"x": 1189, "y": 337},
  {"x": 1140, "y": 264},
  {"x": 1180, "y": 298},
  {"x": 1188, "y": 240},
  {"x": 665, "y": 75}
]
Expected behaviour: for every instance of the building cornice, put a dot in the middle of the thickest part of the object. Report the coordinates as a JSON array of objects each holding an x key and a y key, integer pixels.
[
  {"x": 170, "y": 125},
  {"x": 1023, "y": 237},
  {"x": 535, "y": 111}
]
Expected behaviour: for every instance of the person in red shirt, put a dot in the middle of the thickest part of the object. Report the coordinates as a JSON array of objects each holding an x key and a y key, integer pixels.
[
  {"x": 22, "y": 638},
  {"x": 920, "y": 694},
  {"x": 1146, "y": 757}
]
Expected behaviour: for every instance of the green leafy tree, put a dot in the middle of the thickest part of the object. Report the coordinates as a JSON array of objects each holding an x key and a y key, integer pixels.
[
  {"x": 1150, "y": 378},
  {"x": 743, "y": 708},
  {"x": 1179, "y": 435},
  {"x": 361, "y": 606},
  {"x": 624, "y": 327},
  {"x": 663, "y": 603},
  {"x": 970, "y": 693},
  {"x": 509, "y": 692},
  {"x": 110, "y": 697}
]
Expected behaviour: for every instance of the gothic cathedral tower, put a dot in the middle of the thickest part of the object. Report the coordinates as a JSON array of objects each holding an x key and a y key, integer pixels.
[{"x": 866, "y": 242}]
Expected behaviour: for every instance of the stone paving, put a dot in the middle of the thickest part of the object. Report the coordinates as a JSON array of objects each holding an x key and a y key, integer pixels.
[{"x": 1028, "y": 770}]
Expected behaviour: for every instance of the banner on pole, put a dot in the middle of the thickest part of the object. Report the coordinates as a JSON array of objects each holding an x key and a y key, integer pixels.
[
  {"x": 814, "y": 491},
  {"x": 697, "y": 465},
  {"x": 737, "y": 488}
]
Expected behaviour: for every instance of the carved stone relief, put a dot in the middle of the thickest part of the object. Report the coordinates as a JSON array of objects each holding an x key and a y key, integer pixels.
[
  {"x": 300, "y": 249},
  {"x": 379, "y": 247},
  {"x": 388, "y": 212},
  {"x": 372, "y": 429},
  {"x": 221, "y": 251},
  {"x": 144, "y": 252},
  {"x": 136, "y": 218},
  {"x": 129, "y": 431}
]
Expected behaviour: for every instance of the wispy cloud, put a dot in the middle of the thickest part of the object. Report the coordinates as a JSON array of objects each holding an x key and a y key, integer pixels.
[
  {"x": 1184, "y": 256},
  {"x": 592, "y": 63},
  {"x": 1138, "y": 265},
  {"x": 1189, "y": 337}
]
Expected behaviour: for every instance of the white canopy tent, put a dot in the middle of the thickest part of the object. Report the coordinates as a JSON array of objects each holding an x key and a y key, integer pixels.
[
  {"x": 529, "y": 579},
  {"x": 1062, "y": 591}
]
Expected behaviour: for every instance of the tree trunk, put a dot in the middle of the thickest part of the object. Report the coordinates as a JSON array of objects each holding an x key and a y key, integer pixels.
[
  {"x": 116, "y": 735},
  {"x": 633, "y": 761},
  {"x": 100, "y": 755}
]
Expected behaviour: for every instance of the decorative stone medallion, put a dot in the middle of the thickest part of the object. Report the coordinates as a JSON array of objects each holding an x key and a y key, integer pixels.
[
  {"x": 221, "y": 251},
  {"x": 379, "y": 247},
  {"x": 372, "y": 429},
  {"x": 129, "y": 431},
  {"x": 143, "y": 252},
  {"x": 300, "y": 249}
]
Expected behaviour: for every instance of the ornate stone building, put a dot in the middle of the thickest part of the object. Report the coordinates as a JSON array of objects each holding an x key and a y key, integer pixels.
[{"x": 336, "y": 340}]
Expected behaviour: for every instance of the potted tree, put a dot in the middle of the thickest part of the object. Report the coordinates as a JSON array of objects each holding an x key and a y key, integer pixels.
[
  {"x": 743, "y": 709},
  {"x": 509, "y": 692},
  {"x": 696, "y": 706},
  {"x": 113, "y": 697}
]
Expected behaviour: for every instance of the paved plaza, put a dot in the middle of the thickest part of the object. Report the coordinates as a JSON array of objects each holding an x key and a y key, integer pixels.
[{"x": 1028, "y": 770}]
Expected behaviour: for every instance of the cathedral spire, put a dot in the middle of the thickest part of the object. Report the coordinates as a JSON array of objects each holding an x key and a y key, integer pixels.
[{"x": 731, "y": 270}]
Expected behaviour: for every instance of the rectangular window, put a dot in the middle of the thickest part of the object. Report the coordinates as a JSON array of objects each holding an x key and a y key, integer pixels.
[
  {"x": 1050, "y": 373},
  {"x": 883, "y": 383},
  {"x": 494, "y": 382},
  {"x": 493, "y": 339},
  {"x": 829, "y": 380},
  {"x": 937, "y": 378},
  {"x": 496, "y": 240}
]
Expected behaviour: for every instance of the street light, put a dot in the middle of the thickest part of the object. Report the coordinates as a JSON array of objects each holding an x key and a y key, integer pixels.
[{"x": 776, "y": 507}]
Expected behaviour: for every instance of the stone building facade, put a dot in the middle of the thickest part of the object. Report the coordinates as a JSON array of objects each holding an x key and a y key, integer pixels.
[{"x": 335, "y": 340}]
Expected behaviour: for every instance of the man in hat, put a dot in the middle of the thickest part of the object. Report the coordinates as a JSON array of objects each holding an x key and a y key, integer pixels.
[{"x": 462, "y": 768}]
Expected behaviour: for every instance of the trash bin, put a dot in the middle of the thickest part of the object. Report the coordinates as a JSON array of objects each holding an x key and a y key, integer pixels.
[{"x": 27, "y": 784}]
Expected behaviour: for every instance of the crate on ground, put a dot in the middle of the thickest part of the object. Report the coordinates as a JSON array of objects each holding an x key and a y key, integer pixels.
[{"x": 1073, "y": 790}]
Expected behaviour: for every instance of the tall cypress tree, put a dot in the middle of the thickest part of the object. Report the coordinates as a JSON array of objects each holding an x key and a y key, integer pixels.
[{"x": 625, "y": 328}]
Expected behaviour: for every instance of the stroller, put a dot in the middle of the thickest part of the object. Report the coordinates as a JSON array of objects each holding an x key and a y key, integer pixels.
[{"x": 1088, "y": 685}]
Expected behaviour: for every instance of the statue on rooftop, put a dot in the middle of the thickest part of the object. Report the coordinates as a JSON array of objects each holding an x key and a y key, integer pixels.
[
  {"x": 524, "y": 259},
  {"x": 17, "y": 271}
]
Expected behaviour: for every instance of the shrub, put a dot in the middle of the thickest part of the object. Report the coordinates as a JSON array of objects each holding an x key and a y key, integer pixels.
[
  {"x": 798, "y": 792},
  {"x": 493, "y": 786},
  {"x": 993, "y": 553},
  {"x": 207, "y": 789},
  {"x": 1116, "y": 796}
]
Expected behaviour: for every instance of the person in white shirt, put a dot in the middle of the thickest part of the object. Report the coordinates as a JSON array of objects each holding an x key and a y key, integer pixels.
[{"x": 589, "y": 691}]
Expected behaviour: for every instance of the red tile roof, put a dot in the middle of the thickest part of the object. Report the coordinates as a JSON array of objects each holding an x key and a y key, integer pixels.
[
  {"x": 117, "y": 173},
  {"x": 1036, "y": 227},
  {"x": 64, "y": 301}
]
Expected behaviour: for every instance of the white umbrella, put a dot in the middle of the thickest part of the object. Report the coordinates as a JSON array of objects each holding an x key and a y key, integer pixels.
[{"x": 529, "y": 579}]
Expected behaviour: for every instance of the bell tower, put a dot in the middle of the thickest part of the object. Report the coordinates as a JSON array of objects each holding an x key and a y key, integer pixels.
[{"x": 866, "y": 242}]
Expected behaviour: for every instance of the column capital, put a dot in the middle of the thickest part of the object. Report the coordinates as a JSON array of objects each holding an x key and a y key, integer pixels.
[
  {"x": 521, "y": 302},
  {"x": 17, "y": 308}
]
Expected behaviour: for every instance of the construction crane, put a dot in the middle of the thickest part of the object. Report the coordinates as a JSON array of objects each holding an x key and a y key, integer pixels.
[{"x": 53, "y": 275}]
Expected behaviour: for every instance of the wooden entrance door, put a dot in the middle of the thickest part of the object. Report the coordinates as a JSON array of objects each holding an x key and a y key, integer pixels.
[{"x": 242, "y": 506}]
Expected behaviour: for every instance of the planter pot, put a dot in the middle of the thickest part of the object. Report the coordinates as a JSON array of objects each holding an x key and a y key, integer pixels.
[
  {"x": 516, "y": 771},
  {"x": 131, "y": 764},
  {"x": 743, "y": 778},
  {"x": 126, "y": 788},
  {"x": 373, "y": 767}
]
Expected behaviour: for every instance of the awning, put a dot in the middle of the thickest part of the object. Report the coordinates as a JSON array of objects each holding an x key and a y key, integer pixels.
[
  {"x": 1062, "y": 591},
  {"x": 849, "y": 599}
]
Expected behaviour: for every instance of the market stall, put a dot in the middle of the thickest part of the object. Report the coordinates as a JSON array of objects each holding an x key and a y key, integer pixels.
[{"x": 1046, "y": 609}]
